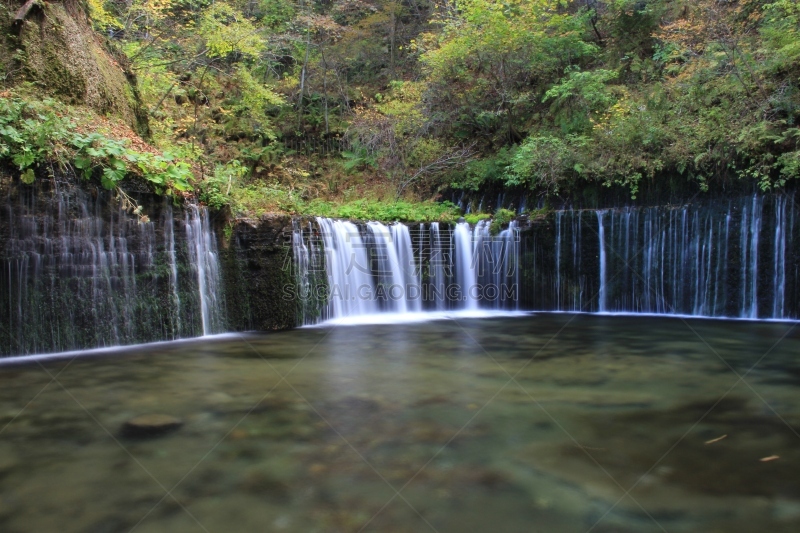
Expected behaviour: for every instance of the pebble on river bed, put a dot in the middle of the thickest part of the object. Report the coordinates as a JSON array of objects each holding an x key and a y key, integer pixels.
[{"x": 146, "y": 426}]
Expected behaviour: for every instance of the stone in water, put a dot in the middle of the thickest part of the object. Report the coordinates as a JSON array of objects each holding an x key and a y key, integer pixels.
[{"x": 145, "y": 426}]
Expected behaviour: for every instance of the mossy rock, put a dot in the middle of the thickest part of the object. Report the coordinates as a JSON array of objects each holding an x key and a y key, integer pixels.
[{"x": 60, "y": 52}]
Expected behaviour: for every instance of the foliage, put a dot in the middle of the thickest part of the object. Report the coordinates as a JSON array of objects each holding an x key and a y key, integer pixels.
[
  {"x": 102, "y": 19},
  {"x": 542, "y": 162},
  {"x": 579, "y": 98},
  {"x": 227, "y": 31},
  {"x": 474, "y": 218},
  {"x": 385, "y": 211},
  {"x": 215, "y": 190},
  {"x": 628, "y": 91},
  {"x": 407, "y": 98},
  {"x": 491, "y": 168},
  {"x": 256, "y": 199},
  {"x": 396, "y": 134},
  {"x": 33, "y": 133},
  {"x": 358, "y": 158},
  {"x": 501, "y": 218}
]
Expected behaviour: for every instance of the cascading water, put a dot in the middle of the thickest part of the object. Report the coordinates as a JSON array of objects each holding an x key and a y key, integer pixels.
[
  {"x": 779, "y": 264},
  {"x": 390, "y": 272},
  {"x": 347, "y": 266},
  {"x": 374, "y": 268},
  {"x": 733, "y": 259},
  {"x": 81, "y": 272},
  {"x": 496, "y": 260},
  {"x": 411, "y": 284},
  {"x": 465, "y": 265},
  {"x": 205, "y": 263},
  {"x": 168, "y": 222},
  {"x": 303, "y": 255},
  {"x": 370, "y": 273},
  {"x": 601, "y": 237}
]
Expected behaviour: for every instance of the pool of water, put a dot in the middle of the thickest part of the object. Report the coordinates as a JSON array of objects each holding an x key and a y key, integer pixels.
[{"x": 553, "y": 423}]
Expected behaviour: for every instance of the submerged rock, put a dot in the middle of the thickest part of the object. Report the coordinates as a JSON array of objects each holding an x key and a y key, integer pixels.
[{"x": 147, "y": 426}]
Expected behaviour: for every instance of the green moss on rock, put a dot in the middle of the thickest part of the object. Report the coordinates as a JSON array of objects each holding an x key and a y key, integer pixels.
[
  {"x": 57, "y": 50},
  {"x": 256, "y": 261}
]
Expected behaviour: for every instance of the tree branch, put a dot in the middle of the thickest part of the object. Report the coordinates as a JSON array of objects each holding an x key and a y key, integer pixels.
[
  {"x": 447, "y": 161},
  {"x": 22, "y": 13}
]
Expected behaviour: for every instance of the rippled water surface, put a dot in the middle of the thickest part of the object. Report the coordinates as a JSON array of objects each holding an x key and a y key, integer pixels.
[{"x": 552, "y": 423}]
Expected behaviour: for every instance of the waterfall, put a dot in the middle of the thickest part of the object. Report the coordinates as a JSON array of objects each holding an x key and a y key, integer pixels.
[
  {"x": 370, "y": 274},
  {"x": 409, "y": 278},
  {"x": 172, "y": 260},
  {"x": 348, "y": 269},
  {"x": 601, "y": 296},
  {"x": 779, "y": 264},
  {"x": 466, "y": 278},
  {"x": 735, "y": 258},
  {"x": 390, "y": 272},
  {"x": 79, "y": 271},
  {"x": 205, "y": 263},
  {"x": 496, "y": 264},
  {"x": 374, "y": 268},
  {"x": 559, "y": 218},
  {"x": 302, "y": 263}
]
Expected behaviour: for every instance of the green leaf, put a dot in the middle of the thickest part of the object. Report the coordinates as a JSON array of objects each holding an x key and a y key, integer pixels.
[
  {"x": 27, "y": 177},
  {"x": 107, "y": 182},
  {"x": 111, "y": 176},
  {"x": 24, "y": 159},
  {"x": 82, "y": 162}
]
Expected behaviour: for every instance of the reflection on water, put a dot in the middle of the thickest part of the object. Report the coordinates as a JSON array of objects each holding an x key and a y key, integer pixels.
[{"x": 610, "y": 423}]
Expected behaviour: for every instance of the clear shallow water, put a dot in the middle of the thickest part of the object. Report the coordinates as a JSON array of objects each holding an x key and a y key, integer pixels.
[{"x": 317, "y": 429}]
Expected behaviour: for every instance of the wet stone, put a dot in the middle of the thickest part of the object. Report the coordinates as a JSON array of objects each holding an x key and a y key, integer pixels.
[{"x": 148, "y": 426}]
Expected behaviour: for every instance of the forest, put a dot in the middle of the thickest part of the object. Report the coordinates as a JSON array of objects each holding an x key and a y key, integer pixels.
[{"x": 377, "y": 108}]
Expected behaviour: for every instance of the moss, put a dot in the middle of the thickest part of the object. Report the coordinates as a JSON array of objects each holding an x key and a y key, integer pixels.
[
  {"x": 256, "y": 273},
  {"x": 59, "y": 52}
]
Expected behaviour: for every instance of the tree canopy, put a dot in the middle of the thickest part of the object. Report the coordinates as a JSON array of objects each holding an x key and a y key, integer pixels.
[{"x": 282, "y": 103}]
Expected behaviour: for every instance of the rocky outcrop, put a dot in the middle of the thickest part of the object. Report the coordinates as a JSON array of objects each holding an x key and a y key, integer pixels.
[
  {"x": 56, "y": 48},
  {"x": 256, "y": 259}
]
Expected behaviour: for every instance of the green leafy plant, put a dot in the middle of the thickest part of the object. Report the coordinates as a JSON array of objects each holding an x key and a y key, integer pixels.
[
  {"x": 474, "y": 218},
  {"x": 215, "y": 191},
  {"x": 501, "y": 218},
  {"x": 384, "y": 211},
  {"x": 358, "y": 158},
  {"x": 32, "y": 133}
]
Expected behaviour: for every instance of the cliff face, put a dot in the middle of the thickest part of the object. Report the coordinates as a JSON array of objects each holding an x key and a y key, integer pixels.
[{"x": 56, "y": 49}]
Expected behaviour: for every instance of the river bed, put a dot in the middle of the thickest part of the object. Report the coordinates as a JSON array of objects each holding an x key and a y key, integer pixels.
[{"x": 543, "y": 422}]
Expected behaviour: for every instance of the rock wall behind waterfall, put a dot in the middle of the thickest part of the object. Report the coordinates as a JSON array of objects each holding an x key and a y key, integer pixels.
[
  {"x": 77, "y": 271},
  {"x": 258, "y": 274},
  {"x": 80, "y": 272}
]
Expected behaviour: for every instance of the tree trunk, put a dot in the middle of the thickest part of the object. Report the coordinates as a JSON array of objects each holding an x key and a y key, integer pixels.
[
  {"x": 325, "y": 87},
  {"x": 392, "y": 36},
  {"x": 303, "y": 80}
]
